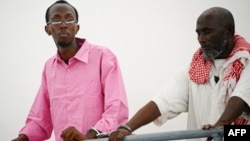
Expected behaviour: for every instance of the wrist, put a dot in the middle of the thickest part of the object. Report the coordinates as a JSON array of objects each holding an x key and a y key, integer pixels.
[
  {"x": 94, "y": 133},
  {"x": 126, "y": 127}
]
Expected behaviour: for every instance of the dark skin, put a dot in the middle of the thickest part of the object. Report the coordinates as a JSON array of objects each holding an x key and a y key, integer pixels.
[
  {"x": 145, "y": 115},
  {"x": 63, "y": 34},
  {"x": 216, "y": 40},
  {"x": 21, "y": 137},
  {"x": 210, "y": 27},
  {"x": 213, "y": 34},
  {"x": 72, "y": 134},
  {"x": 234, "y": 109},
  {"x": 64, "y": 38}
]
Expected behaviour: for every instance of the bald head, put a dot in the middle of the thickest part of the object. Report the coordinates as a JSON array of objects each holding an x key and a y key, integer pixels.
[
  {"x": 215, "y": 30},
  {"x": 223, "y": 16}
]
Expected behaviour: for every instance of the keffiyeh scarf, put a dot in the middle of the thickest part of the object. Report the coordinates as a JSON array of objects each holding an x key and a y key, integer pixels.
[{"x": 235, "y": 63}]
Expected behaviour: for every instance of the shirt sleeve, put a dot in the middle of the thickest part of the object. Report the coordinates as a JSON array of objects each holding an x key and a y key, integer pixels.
[
  {"x": 38, "y": 124},
  {"x": 116, "y": 106},
  {"x": 172, "y": 99}
]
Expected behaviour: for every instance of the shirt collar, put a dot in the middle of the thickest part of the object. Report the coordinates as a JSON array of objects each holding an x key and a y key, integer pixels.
[{"x": 82, "y": 53}]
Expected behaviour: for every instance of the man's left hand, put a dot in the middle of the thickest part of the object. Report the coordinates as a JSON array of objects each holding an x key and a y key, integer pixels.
[{"x": 72, "y": 134}]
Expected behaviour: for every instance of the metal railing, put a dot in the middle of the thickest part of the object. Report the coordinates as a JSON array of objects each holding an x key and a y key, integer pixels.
[{"x": 216, "y": 133}]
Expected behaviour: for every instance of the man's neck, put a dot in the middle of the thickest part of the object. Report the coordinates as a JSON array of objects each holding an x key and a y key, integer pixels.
[{"x": 68, "y": 52}]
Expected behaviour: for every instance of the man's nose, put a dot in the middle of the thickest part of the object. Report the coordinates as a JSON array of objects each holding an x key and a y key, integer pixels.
[
  {"x": 202, "y": 38},
  {"x": 63, "y": 24}
]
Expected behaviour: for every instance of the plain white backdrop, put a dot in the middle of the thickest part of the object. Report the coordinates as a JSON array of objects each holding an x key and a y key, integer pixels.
[{"x": 151, "y": 38}]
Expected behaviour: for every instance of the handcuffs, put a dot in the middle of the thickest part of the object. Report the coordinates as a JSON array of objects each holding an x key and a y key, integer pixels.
[
  {"x": 99, "y": 134},
  {"x": 106, "y": 134}
]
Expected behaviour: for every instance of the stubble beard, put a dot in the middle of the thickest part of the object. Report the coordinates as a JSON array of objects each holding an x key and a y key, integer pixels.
[
  {"x": 213, "y": 54},
  {"x": 64, "y": 44}
]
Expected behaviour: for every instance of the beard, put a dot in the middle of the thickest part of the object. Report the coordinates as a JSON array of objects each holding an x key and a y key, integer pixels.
[
  {"x": 64, "y": 44},
  {"x": 215, "y": 51}
]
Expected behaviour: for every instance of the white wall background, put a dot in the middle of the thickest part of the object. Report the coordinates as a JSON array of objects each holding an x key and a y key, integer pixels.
[{"x": 151, "y": 38}]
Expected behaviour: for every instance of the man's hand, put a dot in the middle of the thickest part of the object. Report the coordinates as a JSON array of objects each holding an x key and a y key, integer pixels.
[
  {"x": 21, "y": 137},
  {"x": 209, "y": 126},
  {"x": 72, "y": 134},
  {"x": 118, "y": 135}
]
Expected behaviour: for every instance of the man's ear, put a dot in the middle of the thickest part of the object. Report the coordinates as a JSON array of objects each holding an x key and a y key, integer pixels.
[
  {"x": 230, "y": 30},
  {"x": 46, "y": 28},
  {"x": 77, "y": 28}
]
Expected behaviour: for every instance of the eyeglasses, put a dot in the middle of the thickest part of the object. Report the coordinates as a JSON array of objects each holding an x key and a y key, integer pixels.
[{"x": 59, "y": 21}]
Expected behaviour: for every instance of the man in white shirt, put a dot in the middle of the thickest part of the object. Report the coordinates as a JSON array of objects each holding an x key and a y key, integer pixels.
[{"x": 215, "y": 87}]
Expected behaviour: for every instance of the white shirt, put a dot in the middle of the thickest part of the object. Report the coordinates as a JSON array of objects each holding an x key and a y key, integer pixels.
[{"x": 202, "y": 102}]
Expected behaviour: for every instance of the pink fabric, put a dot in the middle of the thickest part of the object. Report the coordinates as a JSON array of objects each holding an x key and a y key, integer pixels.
[
  {"x": 199, "y": 70},
  {"x": 88, "y": 92}
]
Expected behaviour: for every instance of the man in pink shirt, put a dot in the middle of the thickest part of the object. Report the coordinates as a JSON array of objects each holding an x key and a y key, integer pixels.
[{"x": 82, "y": 93}]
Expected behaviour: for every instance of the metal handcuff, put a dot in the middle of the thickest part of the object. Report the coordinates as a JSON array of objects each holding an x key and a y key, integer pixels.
[
  {"x": 106, "y": 134},
  {"x": 100, "y": 134}
]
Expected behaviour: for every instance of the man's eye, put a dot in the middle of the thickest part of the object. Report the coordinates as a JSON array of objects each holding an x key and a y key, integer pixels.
[
  {"x": 69, "y": 20},
  {"x": 56, "y": 20},
  {"x": 207, "y": 31}
]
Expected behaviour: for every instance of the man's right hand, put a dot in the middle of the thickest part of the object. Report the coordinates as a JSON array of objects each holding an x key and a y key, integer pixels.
[
  {"x": 118, "y": 135},
  {"x": 21, "y": 137}
]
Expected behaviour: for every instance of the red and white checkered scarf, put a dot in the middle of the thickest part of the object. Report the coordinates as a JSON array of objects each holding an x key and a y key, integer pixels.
[{"x": 200, "y": 68}]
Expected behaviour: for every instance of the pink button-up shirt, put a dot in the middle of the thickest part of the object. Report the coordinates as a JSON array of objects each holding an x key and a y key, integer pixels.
[{"x": 87, "y": 92}]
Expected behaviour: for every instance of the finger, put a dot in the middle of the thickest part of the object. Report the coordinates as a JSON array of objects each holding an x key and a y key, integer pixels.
[
  {"x": 112, "y": 136},
  {"x": 72, "y": 136},
  {"x": 116, "y": 136},
  {"x": 121, "y": 135},
  {"x": 76, "y": 136},
  {"x": 208, "y": 126},
  {"x": 67, "y": 136},
  {"x": 209, "y": 138},
  {"x": 67, "y": 130}
]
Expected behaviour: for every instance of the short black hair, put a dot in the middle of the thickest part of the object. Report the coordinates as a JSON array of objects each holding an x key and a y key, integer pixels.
[{"x": 59, "y": 1}]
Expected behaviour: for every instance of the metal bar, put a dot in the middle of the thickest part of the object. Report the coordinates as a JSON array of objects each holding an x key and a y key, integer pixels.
[{"x": 216, "y": 133}]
